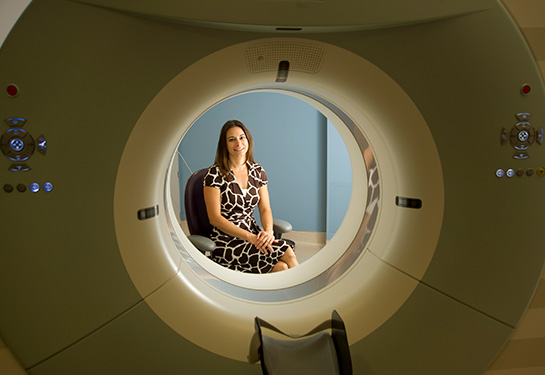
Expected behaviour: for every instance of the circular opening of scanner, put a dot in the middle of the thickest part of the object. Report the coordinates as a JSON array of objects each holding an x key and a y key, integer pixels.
[
  {"x": 336, "y": 256},
  {"x": 382, "y": 261}
]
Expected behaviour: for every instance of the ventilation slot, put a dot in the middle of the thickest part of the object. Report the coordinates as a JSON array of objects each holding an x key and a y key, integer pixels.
[
  {"x": 289, "y": 28},
  {"x": 301, "y": 57}
]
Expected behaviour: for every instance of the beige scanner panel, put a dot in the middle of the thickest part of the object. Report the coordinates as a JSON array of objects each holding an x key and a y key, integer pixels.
[
  {"x": 223, "y": 74},
  {"x": 433, "y": 265}
]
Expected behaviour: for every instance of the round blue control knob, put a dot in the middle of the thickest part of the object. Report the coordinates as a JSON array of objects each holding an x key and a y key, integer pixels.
[
  {"x": 500, "y": 173},
  {"x": 48, "y": 186},
  {"x": 523, "y": 136},
  {"x": 17, "y": 144},
  {"x": 34, "y": 187},
  {"x": 510, "y": 172}
]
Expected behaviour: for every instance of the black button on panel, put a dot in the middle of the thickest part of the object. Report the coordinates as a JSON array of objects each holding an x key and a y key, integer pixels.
[
  {"x": 504, "y": 136},
  {"x": 15, "y": 121},
  {"x": 521, "y": 155},
  {"x": 42, "y": 144},
  {"x": 524, "y": 116},
  {"x": 521, "y": 146},
  {"x": 8, "y": 188},
  {"x": 522, "y": 139},
  {"x": 523, "y": 126},
  {"x": 5, "y": 144},
  {"x": 531, "y": 135},
  {"x": 522, "y": 136},
  {"x": 17, "y": 144},
  {"x": 21, "y": 188},
  {"x": 19, "y": 167}
]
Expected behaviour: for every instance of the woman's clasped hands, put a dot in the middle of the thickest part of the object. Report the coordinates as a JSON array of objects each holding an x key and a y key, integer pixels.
[{"x": 264, "y": 241}]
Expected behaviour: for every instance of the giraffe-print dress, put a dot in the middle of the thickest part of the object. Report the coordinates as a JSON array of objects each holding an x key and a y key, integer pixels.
[{"x": 238, "y": 208}]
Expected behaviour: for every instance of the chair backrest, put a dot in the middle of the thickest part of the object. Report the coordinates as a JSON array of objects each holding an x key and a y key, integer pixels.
[
  {"x": 316, "y": 352},
  {"x": 195, "y": 207}
]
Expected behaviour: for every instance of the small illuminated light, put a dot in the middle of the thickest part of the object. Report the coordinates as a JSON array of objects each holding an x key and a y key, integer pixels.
[
  {"x": 525, "y": 89},
  {"x": 17, "y": 144},
  {"x": 34, "y": 187},
  {"x": 48, "y": 186},
  {"x": 12, "y": 90}
]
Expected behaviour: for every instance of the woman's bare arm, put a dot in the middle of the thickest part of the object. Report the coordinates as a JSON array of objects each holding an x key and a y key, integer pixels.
[
  {"x": 212, "y": 199},
  {"x": 267, "y": 236}
]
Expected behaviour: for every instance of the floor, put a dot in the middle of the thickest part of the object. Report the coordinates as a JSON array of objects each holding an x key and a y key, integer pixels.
[{"x": 307, "y": 244}]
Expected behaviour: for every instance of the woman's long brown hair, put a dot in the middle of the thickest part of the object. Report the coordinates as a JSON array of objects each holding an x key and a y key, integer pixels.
[{"x": 222, "y": 154}]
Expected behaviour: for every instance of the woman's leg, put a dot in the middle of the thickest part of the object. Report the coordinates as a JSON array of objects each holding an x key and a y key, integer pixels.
[
  {"x": 279, "y": 266},
  {"x": 289, "y": 258}
]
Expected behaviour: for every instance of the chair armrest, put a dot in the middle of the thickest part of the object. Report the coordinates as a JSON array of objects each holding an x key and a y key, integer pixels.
[
  {"x": 281, "y": 226},
  {"x": 204, "y": 244}
]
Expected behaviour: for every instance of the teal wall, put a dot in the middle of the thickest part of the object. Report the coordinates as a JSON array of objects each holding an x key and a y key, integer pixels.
[{"x": 291, "y": 142}]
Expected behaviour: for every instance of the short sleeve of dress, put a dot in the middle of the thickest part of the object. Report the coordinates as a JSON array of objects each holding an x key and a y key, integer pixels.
[
  {"x": 213, "y": 177},
  {"x": 261, "y": 176}
]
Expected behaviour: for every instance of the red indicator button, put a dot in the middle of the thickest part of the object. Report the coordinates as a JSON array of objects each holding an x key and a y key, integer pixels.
[
  {"x": 525, "y": 89},
  {"x": 12, "y": 90}
]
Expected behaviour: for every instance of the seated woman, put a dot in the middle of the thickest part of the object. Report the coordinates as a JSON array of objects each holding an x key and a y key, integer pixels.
[{"x": 233, "y": 186}]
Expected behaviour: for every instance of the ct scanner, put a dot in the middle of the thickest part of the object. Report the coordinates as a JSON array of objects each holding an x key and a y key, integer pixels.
[{"x": 439, "y": 104}]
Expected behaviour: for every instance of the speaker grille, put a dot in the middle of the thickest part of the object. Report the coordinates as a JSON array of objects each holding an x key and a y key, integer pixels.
[{"x": 302, "y": 57}]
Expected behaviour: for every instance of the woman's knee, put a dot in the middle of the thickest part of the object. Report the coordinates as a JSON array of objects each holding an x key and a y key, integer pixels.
[
  {"x": 280, "y": 266},
  {"x": 289, "y": 255}
]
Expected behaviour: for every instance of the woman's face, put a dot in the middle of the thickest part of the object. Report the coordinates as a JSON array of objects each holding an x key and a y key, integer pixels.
[{"x": 237, "y": 143}]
